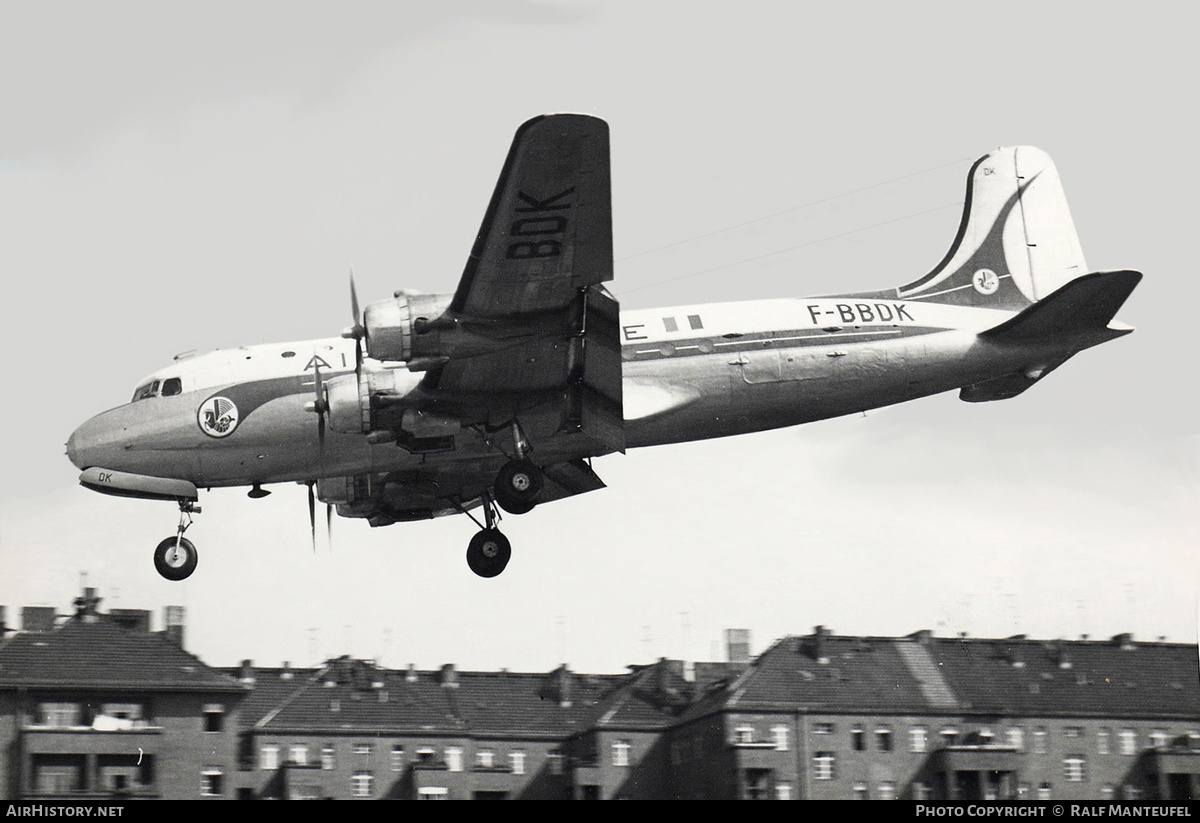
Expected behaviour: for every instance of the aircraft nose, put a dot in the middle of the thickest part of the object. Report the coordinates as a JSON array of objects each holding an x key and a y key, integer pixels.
[{"x": 94, "y": 444}]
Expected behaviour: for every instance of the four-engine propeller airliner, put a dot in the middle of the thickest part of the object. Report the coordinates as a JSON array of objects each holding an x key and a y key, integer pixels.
[{"x": 497, "y": 396}]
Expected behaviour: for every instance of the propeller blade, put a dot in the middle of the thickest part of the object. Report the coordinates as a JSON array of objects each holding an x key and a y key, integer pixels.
[
  {"x": 312, "y": 516},
  {"x": 358, "y": 330},
  {"x": 354, "y": 310},
  {"x": 320, "y": 405}
]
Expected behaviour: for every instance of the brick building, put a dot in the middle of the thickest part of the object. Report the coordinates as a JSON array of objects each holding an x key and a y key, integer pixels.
[{"x": 98, "y": 705}]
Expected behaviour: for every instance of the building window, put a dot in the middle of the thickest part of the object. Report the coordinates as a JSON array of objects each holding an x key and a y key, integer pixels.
[
  {"x": 1128, "y": 741},
  {"x": 1102, "y": 736},
  {"x": 555, "y": 763},
  {"x": 858, "y": 739},
  {"x": 1108, "y": 792},
  {"x": 1158, "y": 739},
  {"x": 1016, "y": 739},
  {"x": 454, "y": 759},
  {"x": 743, "y": 734},
  {"x": 517, "y": 759},
  {"x": 214, "y": 717},
  {"x": 887, "y": 791},
  {"x": 1039, "y": 740},
  {"x": 268, "y": 759},
  {"x": 1043, "y": 792},
  {"x": 920, "y": 791},
  {"x": 360, "y": 784},
  {"x": 397, "y": 759},
  {"x": 433, "y": 793},
  {"x": 918, "y": 739},
  {"x": 59, "y": 715},
  {"x": 883, "y": 739},
  {"x": 860, "y": 792},
  {"x": 780, "y": 735},
  {"x": 362, "y": 749},
  {"x": 328, "y": 759},
  {"x": 620, "y": 752},
  {"x": 823, "y": 728},
  {"x": 211, "y": 780},
  {"x": 299, "y": 754},
  {"x": 485, "y": 758},
  {"x": 824, "y": 766},
  {"x": 1074, "y": 768},
  {"x": 949, "y": 737},
  {"x": 783, "y": 791}
]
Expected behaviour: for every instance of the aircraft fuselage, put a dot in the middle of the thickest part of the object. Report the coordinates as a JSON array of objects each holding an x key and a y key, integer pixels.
[{"x": 689, "y": 373}]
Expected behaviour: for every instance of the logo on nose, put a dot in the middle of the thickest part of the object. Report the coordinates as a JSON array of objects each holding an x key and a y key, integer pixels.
[{"x": 217, "y": 417}]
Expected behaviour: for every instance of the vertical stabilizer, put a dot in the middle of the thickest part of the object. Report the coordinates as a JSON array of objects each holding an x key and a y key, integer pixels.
[{"x": 1016, "y": 242}]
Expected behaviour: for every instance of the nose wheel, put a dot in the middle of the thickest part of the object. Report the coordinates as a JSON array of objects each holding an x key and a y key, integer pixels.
[{"x": 175, "y": 558}]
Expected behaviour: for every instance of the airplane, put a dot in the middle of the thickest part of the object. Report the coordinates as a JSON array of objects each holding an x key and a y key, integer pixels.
[{"x": 498, "y": 396}]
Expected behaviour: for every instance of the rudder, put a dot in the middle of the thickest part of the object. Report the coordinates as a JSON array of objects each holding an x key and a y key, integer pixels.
[{"x": 1016, "y": 242}]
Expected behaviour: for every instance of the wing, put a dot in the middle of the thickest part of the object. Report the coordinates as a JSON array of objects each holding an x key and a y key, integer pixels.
[{"x": 541, "y": 330}]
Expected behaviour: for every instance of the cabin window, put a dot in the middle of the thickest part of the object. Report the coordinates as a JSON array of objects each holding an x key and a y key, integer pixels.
[{"x": 172, "y": 386}]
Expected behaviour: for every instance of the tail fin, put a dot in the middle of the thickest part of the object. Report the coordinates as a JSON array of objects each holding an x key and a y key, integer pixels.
[{"x": 1016, "y": 242}]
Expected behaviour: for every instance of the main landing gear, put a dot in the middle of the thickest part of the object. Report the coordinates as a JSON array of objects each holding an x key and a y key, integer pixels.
[
  {"x": 516, "y": 491},
  {"x": 175, "y": 558}
]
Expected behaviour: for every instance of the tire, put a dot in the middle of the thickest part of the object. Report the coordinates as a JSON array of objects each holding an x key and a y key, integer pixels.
[
  {"x": 488, "y": 553},
  {"x": 172, "y": 564},
  {"x": 518, "y": 483}
]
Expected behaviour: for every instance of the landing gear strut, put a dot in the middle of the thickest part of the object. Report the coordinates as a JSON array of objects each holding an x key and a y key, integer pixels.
[{"x": 175, "y": 558}]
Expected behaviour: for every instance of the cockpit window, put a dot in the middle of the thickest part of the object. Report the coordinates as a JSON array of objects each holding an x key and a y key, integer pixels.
[
  {"x": 172, "y": 386},
  {"x": 148, "y": 390}
]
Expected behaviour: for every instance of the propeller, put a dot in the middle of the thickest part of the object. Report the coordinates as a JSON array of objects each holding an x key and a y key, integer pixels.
[{"x": 357, "y": 331}]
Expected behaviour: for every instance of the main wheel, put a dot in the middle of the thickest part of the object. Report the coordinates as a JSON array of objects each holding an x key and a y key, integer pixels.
[
  {"x": 518, "y": 485},
  {"x": 488, "y": 553},
  {"x": 175, "y": 558}
]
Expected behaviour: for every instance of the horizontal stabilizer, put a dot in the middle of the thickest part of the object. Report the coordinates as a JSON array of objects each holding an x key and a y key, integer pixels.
[{"x": 1083, "y": 306}]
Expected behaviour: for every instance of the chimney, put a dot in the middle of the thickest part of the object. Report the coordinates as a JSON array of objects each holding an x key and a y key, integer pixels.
[
  {"x": 246, "y": 672},
  {"x": 410, "y": 676},
  {"x": 821, "y": 644},
  {"x": 38, "y": 618},
  {"x": 563, "y": 678},
  {"x": 134, "y": 620},
  {"x": 449, "y": 676},
  {"x": 286, "y": 673},
  {"x": 3, "y": 621},
  {"x": 86, "y": 606},
  {"x": 924, "y": 637},
  {"x": 737, "y": 645},
  {"x": 174, "y": 620},
  {"x": 1124, "y": 641}
]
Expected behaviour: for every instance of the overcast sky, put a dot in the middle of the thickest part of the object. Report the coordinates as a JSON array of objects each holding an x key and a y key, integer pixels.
[{"x": 194, "y": 176}]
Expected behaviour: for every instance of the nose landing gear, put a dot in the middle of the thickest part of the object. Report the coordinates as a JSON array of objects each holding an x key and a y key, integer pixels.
[{"x": 175, "y": 558}]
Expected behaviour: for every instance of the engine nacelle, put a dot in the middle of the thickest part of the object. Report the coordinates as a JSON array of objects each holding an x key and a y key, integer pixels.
[
  {"x": 349, "y": 397},
  {"x": 400, "y": 329}
]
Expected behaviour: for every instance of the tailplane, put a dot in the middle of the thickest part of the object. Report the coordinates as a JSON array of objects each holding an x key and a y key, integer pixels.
[{"x": 1016, "y": 243}]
